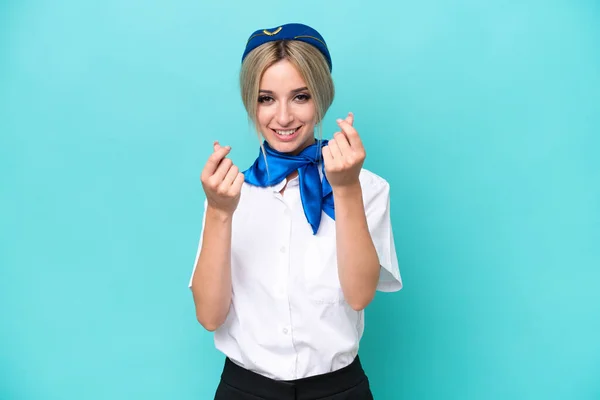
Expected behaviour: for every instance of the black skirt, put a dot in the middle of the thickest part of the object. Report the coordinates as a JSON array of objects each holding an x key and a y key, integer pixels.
[{"x": 348, "y": 383}]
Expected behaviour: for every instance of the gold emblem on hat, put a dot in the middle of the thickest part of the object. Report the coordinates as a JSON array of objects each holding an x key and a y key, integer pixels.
[{"x": 275, "y": 32}]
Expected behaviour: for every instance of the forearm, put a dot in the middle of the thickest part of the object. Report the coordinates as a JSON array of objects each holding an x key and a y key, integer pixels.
[
  {"x": 358, "y": 263},
  {"x": 211, "y": 283}
]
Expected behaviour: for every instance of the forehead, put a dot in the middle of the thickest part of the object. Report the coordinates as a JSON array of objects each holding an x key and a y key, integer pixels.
[{"x": 281, "y": 76}]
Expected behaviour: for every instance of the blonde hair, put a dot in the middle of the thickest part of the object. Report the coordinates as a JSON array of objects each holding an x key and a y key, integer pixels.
[{"x": 308, "y": 60}]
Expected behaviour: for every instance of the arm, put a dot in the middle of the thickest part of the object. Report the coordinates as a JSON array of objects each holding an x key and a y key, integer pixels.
[
  {"x": 211, "y": 281},
  {"x": 358, "y": 263}
]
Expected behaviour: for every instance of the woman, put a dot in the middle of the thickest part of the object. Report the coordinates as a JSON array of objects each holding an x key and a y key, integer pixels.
[{"x": 292, "y": 249}]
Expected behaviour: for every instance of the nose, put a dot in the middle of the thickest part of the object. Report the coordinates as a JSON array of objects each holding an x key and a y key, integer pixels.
[{"x": 284, "y": 115}]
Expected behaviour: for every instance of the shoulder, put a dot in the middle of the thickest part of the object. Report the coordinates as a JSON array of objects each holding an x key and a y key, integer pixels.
[
  {"x": 372, "y": 184},
  {"x": 376, "y": 198}
]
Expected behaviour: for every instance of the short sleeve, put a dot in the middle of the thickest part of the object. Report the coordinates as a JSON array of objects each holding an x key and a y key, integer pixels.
[
  {"x": 377, "y": 209},
  {"x": 199, "y": 244}
]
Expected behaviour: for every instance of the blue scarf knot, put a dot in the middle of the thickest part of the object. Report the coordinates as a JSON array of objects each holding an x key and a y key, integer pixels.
[{"x": 316, "y": 194}]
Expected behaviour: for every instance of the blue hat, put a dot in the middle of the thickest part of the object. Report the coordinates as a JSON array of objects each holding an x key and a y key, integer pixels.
[{"x": 299, "y": 32}]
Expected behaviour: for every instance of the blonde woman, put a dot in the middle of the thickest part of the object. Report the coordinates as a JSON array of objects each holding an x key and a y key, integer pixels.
[{"x": 293, "y": 248}]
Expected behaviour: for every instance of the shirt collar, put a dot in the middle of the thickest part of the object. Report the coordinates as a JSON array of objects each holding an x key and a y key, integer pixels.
[{"x": 292, "y": 182}]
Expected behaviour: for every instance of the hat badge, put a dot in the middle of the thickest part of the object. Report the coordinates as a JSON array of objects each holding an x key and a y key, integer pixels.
[{"x": 275, "y": 32}]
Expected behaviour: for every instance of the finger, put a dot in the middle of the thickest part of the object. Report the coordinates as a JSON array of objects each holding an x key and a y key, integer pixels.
[
  {"x": 335, "y": 149},
  {"x": 238, "y": 182},
  {"x": 230, "y": 176},
  {"x": 327, "y": 157},
  {"x": 350, "y": 132},
  {"x": 222, "y": 170},
  {"x": 216, "y": 145},
  {"x": 342, "y": 142},
  {"x": 214, "y": 160},
  {"x": 350, "y": 118}
]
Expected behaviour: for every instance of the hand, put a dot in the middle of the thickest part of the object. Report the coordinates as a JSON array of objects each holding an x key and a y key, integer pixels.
[
  {"x": 222, "y": 181},
  {"x": 344, "y": 155}
]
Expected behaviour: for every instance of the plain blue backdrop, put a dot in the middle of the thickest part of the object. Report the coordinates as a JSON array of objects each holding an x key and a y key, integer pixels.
[{"x": 483, "y": 116}]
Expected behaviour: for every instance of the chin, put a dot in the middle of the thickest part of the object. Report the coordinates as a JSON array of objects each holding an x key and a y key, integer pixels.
[{"x": 289, "y": 147}]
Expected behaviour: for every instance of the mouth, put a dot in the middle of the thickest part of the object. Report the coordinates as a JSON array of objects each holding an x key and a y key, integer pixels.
[{"x": 286, "y": 133}]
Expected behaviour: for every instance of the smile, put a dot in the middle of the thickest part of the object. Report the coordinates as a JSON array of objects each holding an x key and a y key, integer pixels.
[{"x": 287, "y": 132}]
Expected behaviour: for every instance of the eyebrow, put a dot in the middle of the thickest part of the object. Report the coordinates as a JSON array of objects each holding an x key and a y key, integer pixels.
[{"x": 293, "y": 91}]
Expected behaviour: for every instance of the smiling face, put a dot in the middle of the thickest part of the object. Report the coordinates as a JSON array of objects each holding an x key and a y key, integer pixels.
[
  {"x": 286, "y": 89},
  {"x": 286, "y": 112}
]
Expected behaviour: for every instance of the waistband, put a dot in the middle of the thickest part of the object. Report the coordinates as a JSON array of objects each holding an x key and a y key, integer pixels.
[{"x": 312, "y": 387}]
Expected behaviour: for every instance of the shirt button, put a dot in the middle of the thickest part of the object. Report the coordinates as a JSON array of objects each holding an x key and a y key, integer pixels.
[
  {"x": 285, "y": 331},
  {"x": 282, "y": 249}
]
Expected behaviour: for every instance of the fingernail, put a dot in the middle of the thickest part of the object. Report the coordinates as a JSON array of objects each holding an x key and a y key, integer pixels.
[
  {"x": 228, "y": 147},
  {"x": 338, "y": 120}
]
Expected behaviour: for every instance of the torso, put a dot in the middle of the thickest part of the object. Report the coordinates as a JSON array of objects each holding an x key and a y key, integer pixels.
[{"x": 288, "y": 318}]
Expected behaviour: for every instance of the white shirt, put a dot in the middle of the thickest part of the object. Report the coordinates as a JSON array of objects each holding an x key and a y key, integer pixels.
[{"x": 288, "y": 318}]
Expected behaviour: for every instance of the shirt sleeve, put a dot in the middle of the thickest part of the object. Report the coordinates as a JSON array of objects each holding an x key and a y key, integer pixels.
[
  {"x": 199, "y": 244},
  {"x": 377, "y": 210}
]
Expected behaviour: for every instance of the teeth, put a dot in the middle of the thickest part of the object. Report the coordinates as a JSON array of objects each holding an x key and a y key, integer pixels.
[{"x": 286, "y": 133}]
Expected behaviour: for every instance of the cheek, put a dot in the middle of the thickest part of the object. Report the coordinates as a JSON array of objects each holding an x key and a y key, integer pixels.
[
  {"x": 263, "y": 116},
  {"x": 307, "y": 114}
]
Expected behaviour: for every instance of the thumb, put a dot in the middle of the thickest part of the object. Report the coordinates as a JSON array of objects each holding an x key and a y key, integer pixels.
[{"x": 350, "y": 118}]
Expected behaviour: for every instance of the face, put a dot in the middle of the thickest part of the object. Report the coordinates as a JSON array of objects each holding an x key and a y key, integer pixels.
[{"x": 286, "y": 112}]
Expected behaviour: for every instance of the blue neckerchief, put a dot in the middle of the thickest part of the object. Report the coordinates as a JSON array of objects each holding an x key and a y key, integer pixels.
[{"x": 316, "y": 195}]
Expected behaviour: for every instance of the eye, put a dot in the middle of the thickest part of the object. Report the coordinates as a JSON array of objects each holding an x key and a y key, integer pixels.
[
  {"x": 302, "y": 98},
  {"x": 265, "y": 99}
]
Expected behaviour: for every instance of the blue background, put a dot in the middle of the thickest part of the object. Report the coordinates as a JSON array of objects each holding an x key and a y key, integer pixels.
[{"x": 483, "y": 116}]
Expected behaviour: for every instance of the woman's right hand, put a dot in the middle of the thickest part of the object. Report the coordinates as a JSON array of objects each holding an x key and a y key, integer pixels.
[{"x": 222, "y": 181}]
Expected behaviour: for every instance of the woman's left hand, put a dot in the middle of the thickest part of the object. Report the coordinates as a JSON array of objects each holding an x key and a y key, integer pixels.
[{"x": 344, "y": 155}]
